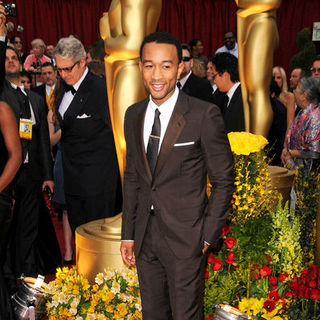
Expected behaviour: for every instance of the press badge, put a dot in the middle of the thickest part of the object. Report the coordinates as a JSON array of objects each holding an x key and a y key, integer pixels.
[{"x": 25, "y": 129}]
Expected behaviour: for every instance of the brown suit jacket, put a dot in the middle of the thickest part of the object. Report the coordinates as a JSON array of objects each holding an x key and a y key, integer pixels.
[{"x": 195, "y": 144}]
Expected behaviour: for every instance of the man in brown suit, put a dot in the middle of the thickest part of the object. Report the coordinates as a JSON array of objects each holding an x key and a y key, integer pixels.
[{"x": 173, "y": 142}]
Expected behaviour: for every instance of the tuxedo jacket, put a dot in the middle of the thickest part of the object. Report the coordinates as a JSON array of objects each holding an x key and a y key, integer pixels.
[
  {"x": 41, "y": 90},
  {"x": 88, "y": 151},
  {"x": 233, "y": 114},
  {"x": 38, "y": 148},
  {"x": 198, "y": 87},
  {"x": 195, "y": 144}
]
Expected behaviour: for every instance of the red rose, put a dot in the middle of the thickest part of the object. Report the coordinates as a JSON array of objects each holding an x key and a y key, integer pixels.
[
  {"x": 268, "y": 259},
  {"x": 283, "y": 276},
  {"x": 312, "y": 284},
  {"x": 256, "y": 276},
  {"x": 265, "y": 271},
  {"x": 210, "y": 317},
  {"x": 304, "y": 292},
  {"x": 206, "y": 274},
  {"x": 315, "y": 294},
  {"x": 274, "y": 295},
  {"x": 269, "y": 305},
  {"x": 225, "y": 230},
  {"x": 274, "y": 288},
  {"x": 210, "y": 258},
  {"x": 289, "y": 294},
  {"x": 255, "y": 267},
  {"x": 216, "y": 265},
  {"x": 230, "y": 242},
  {"x": 230, "y": 257},
  {"x": 273, "y": 280}
]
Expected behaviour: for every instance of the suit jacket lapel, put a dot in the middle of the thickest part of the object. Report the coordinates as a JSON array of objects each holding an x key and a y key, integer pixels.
[
  {"x": 175, "y": 126},
  {"x": 140, "y": 138}
]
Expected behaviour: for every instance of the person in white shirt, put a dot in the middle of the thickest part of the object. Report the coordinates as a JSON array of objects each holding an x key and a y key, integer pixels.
[{"x": 230, "y": 44}]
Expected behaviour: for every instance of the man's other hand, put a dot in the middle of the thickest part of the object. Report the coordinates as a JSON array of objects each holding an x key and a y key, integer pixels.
[{"x": 127, "y": 253}]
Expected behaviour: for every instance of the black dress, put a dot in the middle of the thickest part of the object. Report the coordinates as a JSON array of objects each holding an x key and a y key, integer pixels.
[{"x": 6, "y": 311}]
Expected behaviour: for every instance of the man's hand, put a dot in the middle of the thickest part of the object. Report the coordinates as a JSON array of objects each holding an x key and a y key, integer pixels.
[
  {"x": 205, "y": 248},
  {"x": 48, "y": 183},
  {"x": 127, "y": 253},
  {"x": 3, "y": 29}
]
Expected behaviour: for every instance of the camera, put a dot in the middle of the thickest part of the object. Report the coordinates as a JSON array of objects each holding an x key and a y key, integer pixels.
[{"x": 10, "y": 9}]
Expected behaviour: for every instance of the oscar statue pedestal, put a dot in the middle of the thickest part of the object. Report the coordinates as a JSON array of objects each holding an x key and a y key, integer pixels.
[{"x": 98, "y": 246}]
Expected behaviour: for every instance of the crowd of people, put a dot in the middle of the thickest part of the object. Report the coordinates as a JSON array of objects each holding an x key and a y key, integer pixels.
[{"x": 56, "y": 137}]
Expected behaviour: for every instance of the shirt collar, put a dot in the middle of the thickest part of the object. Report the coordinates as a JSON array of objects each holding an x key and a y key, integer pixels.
[
  {"x": 48, "y": 88},
  {"x": 14, "y": 86},
  {"x": 184, "y": 79},
  {"x": 167, "y": 106},
  {"x": 77, "y": 84},
  {"x": 232, "y": 90}
]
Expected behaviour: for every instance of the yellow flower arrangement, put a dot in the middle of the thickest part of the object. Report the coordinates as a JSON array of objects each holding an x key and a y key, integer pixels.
[
  {"x": 115, "y": 295},
  {"x": 244, "y": 143}
]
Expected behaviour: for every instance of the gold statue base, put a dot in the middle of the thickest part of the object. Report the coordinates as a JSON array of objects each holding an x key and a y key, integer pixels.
[
  {"x": 281, "y": 181},
  {"x": 98, "y": 246}
]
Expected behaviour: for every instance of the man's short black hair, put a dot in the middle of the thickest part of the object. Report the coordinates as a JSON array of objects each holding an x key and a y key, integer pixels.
[
  {"x": 193, "y": 43},
  {"x": 226, "y": 62},
  {"x": 162, "y": 37},
  {"x": 229, "y": 31},
  {"x": 186, "y": 47},
  {"x": 15, "y": 51},
  {"x": 48, "y": 64}
]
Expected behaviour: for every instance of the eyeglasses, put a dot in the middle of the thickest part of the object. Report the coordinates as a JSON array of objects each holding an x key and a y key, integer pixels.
[
  {"x": 186, "y": 59},
  {"x": 313, "y": 70},
  {"x": 67, "y": 69},
  {"x": 17, "y": 42}
]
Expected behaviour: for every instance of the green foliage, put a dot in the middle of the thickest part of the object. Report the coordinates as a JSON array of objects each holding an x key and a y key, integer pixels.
[
  {"x": 307, "y": 53},
  {"x": 307, "y": 187}
]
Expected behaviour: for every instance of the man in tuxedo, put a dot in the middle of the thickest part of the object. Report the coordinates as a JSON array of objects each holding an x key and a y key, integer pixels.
[
  {"x": 173, "y": 142},
  {"x": 88, "y": 152},
  {"x": 35, "y": 172},
  {"x": 226, "y": 77},
  {"x": 191, "y": 84},
  {"x": 49, "y": 76}
]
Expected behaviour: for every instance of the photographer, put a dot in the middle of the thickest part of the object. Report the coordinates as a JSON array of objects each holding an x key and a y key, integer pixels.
[{"x": 35, "y": 60}]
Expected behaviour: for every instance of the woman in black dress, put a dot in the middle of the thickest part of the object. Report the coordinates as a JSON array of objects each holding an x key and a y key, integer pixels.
[{"x": 10, "y": 160}]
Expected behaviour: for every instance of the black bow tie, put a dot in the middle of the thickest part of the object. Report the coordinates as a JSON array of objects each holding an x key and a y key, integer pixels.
[{"x": 70, "y": 88}]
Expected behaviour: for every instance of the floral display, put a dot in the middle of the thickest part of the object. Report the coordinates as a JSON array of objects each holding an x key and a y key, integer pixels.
[
  {"x": 260, "y": 252},
  {"x": 115, "y": 295}
]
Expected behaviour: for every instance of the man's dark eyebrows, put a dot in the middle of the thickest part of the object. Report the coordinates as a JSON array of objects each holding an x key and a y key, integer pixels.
[{"x": 163, "y": 61}]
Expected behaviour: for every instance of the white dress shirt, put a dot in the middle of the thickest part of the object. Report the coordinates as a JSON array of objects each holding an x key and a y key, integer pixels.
[
  {"x": 231, "y": 91},
  {"x": 184, "y": 79},
  {"x": 48, "y": 89},
  {"x": 166, "y": 110},
  {"x": 68, "y": 96}
]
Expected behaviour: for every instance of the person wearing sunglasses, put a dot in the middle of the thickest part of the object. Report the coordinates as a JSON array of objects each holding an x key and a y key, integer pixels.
[
  {"x": 191, "y": 84},
  {"x": 315, "y": 68},
  {"x": 88, "y": 153},
  {"x": 17, "y": 43}
]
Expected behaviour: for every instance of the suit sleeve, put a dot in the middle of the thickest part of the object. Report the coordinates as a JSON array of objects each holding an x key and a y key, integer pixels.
[
  {"x": 45, "y": 152},
  {"x": 130, "y": 184},
  {"x": 219, "y": 162}
]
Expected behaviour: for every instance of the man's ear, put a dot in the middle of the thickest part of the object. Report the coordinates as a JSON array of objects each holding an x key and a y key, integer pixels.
[{"x": 180, "y": 69}]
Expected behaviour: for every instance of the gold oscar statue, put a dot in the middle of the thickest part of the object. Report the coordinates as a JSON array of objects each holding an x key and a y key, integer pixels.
[
  {"x": 123, "y": 29},
  {"x": 257, "y": 39}
]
